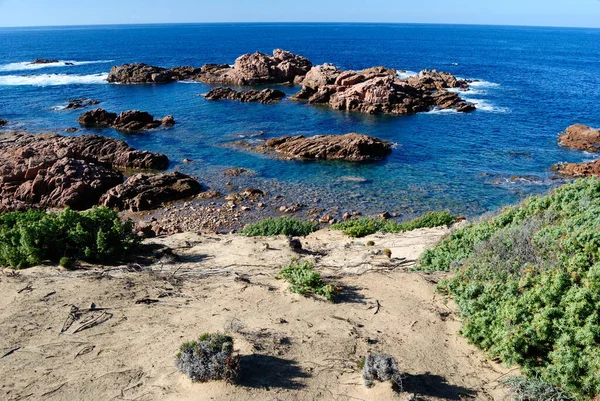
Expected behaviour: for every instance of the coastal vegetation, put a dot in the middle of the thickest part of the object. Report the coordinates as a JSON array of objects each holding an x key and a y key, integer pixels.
[
  {"x": 32, "y": 237},
  {"x": 280, "y": 226},
  {"x": 304, "y": 280},
  {"x": 364, "y": 226},
  {"x": 209, "y": 358},
  {"x": 527, "y": 282}
]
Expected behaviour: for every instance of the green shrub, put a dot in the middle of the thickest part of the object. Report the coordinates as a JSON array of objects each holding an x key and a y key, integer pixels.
[
  {"x": 67, "y": 263},
  {"x": 533, "y": 389},
  {"x": 366, "y": 226},
  {"x": 29, "y": 238},
  {"x": 305, "y": 280},
  {"x": 528, "y": 285},
  {"x": 209, "y": 358},
  {"x": 280, "y": 226}
]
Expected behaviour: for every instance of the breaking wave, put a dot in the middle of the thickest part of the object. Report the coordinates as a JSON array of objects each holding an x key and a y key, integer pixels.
[
  {"x": 52, "y": 79},
  {"x": 28, "y": 65}
]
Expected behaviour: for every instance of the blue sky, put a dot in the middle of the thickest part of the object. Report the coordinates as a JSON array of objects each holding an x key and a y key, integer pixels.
[{"x": 578, "y": 13}]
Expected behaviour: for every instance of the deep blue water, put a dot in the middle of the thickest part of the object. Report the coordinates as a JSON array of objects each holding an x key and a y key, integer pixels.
[{"x": 534, "y": 83}]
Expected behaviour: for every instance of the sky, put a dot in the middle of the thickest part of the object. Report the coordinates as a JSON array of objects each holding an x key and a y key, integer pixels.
[{"x": 571, "y": 13}]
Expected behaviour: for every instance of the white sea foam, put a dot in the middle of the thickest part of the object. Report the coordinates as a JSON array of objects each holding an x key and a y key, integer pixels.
[
  {"x": 52, "y": 79},
  {"x": 484, "y": 105},
  {"x": 437, "y": 110},
  {"x": 483, "y": 84},
  {"x": 28, "y": 65},
  {"x": 406, "y": 74}
]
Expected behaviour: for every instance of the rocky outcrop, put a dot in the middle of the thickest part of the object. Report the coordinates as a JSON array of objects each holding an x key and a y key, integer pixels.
[
  {"x": 264, "y": 96},
  {"x": 577, "y": 170},
  {"x": 432, "y": 80},
  {"x": 43, "y": 61},
  {"x": 257, "y": 68},
  {"x": 581, "y": 137},
  {"x": 350, "y": 147},
  {"x": 138, "y": 73},
  {"x": 249, "y": 69},
  {"x": 3, "y": 122},
  {"x": 378, "y": 90},
  {"x": 149, "y": 191},
  {"x": 81, "y": 103},
  {"x": 127, "y": 121},
  {"x": 50, "y": 170}
]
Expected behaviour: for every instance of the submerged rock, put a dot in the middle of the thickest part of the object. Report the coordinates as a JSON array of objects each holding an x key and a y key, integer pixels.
[
  {"x": 81, "y": 103},
  {"x": 264, "y": 96},
  {"x": 50, "y": 170},
  {"x": 378, "y": 90},
  {"x": 3, "y": 122},
  {"x": 127, "y": 121},
  {"x": 43, "y": 61},
  {"x": 350, "y": 147},
  {"x": 149, "y": 191},
  {"x": 581, "y": 137}
]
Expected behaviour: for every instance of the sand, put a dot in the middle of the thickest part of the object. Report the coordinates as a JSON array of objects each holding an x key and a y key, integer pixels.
[{"x": 291, "y": 347}]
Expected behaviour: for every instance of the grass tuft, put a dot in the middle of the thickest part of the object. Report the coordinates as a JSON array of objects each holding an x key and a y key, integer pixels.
[
  {"x": 280, "y": 226},
  {"x": 209, "y": 358},
  {"x": 364, "y": 226},
  {"x": 304, "y": 280},
  {"x": 533, "y": 389}
]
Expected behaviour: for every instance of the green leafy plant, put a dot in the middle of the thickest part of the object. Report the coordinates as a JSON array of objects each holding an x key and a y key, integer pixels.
[
  {"x": 29, "y": 238},
  {"x": 305, "y": 280},
  {"x": 280, "y": 226},
  {"x": 209, "y": 358},
  {"x": 527, "y": 282},
  {"x": 364, "y": 226}
]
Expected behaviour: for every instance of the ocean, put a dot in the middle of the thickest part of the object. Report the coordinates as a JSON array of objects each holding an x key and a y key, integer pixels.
[{"x": 532, "y": 84}]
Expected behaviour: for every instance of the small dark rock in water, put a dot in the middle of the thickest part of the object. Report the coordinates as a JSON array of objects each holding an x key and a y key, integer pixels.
[
  {"x": 168, "y": 121},
  {"x": 3, "y": 122},
  {"x": 81, "y": 103},
  {"x": 71, "y": 129},
  {"x": 127, "y": 121},
  {"x": 385, "y": 215},
  {"x": 186, "y": 160},
  {"x": 264, "y": 96},
  {"x": 238, "y": 171},
  {"x": 43, "y": 61},
  {"x": 252, "y": 192},
  {"x": 149, "y": 191}
]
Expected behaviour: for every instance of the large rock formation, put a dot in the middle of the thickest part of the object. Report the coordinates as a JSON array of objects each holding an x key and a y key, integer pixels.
[
  {"x": 50, "y": 170},
  {"x": 264, "y": 96},
  {"x": 149, "y": 191},
  {"x": 581, "y": 137},
  {"x": 378, "y": 90},
  {"x": 127, "y": 121},
  {"x": 350, "y": 147},
  {"x": 249, "y": 69},
  {"x": 577, "y": 170},
  {"x": 138, "y": 73}
]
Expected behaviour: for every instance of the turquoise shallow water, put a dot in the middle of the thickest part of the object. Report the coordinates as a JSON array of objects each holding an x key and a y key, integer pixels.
[{"x": 534, "y": 82}]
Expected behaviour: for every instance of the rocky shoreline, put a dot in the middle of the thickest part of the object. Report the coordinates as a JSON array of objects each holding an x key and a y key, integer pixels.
[{"x": 376, "y": 90}]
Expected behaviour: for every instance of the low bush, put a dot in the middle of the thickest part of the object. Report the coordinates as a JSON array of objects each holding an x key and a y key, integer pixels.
[
  {"x": 527, "y": 282},
  {"x": 381, "y": 367},
  {"x": 364, "y": 226},
  {"x": 304, "y": 280},
  {"x": 29, "y": 238},
  {"x": 532, "y": 389},
  {"x": 280, "y": 226},
  {"x": 209, "y": 358}
]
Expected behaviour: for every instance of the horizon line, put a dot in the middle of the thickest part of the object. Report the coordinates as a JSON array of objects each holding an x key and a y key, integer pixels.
[{"x": 296, "y": 22}]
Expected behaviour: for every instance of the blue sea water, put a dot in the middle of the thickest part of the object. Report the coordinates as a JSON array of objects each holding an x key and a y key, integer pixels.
[{"x": 533, "y": 83}]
